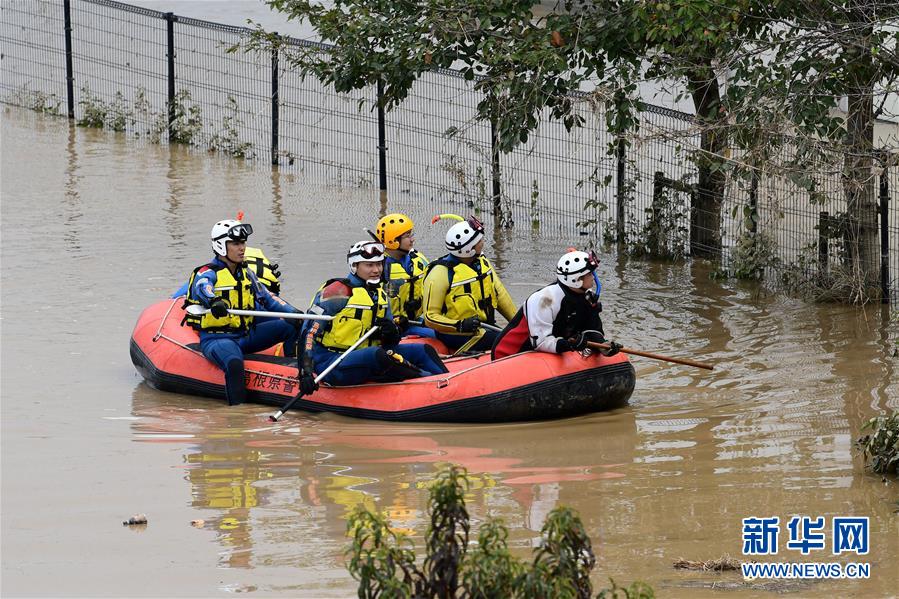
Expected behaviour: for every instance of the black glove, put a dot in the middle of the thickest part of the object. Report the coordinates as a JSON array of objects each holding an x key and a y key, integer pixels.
[
  {"x": 468, "y": 325},
  {"x": 412, "y": 307},
  {"x": 578, "y": 343},
  {"x": 614, "y": 348},
  {"x": 388, "y": 332},
  {"x": 307, "y": 378},
  {"x": 219, "y": 307},
  {"x": 297, "y": 323},
  {"x": 402, "y": 323}
]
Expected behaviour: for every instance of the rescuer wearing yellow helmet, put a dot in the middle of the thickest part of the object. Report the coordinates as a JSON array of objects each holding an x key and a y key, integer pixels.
[{"x": 404, "y": 271}]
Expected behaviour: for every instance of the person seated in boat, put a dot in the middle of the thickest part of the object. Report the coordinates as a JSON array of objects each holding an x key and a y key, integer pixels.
[
  {"x": 561, "y": 317},
  {"x": 461, "y": 290},
  {"x": 358, "y": 303},
  {"x": 227, "y": 282},
  {"x": 404, "y": 271}
]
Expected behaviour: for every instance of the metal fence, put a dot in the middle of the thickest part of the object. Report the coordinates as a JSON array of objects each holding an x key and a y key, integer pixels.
[{"x": 172, "y": 79}]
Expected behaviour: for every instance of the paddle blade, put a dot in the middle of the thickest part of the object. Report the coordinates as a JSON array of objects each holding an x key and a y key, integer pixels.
[{"x": 196, "y": 310}]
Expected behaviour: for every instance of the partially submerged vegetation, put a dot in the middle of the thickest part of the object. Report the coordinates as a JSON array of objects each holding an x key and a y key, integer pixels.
[
  {"x": 184, "y": 124},
  {"x": 722, "y": 564},
  {"x": 385, "y": 564},
  {"x": 880, "y": 447}
]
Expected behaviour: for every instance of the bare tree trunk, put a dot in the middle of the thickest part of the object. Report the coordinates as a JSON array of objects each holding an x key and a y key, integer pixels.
[
  {"x": 705, "y": 214},
  {"x": 860, "y": 183}
]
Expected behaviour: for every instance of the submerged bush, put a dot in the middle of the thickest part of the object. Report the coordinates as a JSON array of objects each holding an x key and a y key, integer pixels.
[
  {"x": 881, "y": 446},
  {"x": 384, "y": 562}
]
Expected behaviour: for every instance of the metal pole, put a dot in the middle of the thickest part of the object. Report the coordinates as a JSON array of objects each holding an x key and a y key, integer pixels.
[
  {"x": 823, "y": 246},
  {"x": 884, "y": 237},
  {"x": 494, "y": 170},
  {"x": 753, "y": 200},
  {"x": 382, "y": 143},
  {"x": 620, "y": 191},
  {"x": 170, "y": 19},
  {"x": 70, "y": 73},
  {"x": 275, "y": 102}
]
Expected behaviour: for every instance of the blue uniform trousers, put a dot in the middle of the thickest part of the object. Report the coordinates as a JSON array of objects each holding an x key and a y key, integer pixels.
[
  {"x": 421, "y": 331},
  {"x": 362, "y": 365},
  {"x": 227, "y": 350}
]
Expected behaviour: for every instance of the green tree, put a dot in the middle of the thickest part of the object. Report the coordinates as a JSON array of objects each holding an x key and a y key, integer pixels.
[
  {"x": 809, "y": 56},
  {"x": 732, "y": 57},
  {"x": 384, "y": 563}
]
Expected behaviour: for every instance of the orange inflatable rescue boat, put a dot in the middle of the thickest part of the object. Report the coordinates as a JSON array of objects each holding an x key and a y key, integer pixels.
[{"x": 526, "y": 386}]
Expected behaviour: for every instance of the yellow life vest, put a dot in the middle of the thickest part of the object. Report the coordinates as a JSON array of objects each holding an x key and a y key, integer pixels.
[
  {"x": 354, "y": 320},
  {"x": 407, "y": 286},
  {"x": 470, "y": 293},
  {"x": 265, "y": 271},
  {"x": 239, "y": 294}
]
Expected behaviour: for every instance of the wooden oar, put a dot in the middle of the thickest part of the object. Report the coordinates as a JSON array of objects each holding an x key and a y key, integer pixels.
[{"x": 646, "y": 354}]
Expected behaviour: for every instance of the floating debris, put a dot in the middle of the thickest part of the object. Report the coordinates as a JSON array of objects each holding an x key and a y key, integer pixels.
[
  {"x": 136, "y": 519},
  {"x": 723, "y": 563},
  {"x": 197, "y": 523}
]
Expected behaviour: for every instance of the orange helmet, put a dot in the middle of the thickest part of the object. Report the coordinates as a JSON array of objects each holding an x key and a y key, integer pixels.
[{"x": 390, "y": 228}]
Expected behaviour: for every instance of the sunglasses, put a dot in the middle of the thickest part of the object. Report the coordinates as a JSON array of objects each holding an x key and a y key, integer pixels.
[{"x": 237, "y": 233}]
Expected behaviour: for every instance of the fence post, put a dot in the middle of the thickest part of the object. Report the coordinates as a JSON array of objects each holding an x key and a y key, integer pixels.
[
  {"x": 620, "y": 191},
  {"x": 494, "y": 172},
  {"x": 70, "y": 73},
  {"x": 170, "y": 19},
  {"x": 884, "y": 235},
  {"x": 382, "y": 143},
  {"x": 823, "y": 247},
  {"x": 275, "y": 101},
  {"x": 753, "y": 201}
]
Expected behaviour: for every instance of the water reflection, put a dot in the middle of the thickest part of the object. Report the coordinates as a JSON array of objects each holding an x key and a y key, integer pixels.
[
  {"x": 259, "y": 482},
  {"x": 72, "y": 211},
  {"x": 178, "y": 179}
]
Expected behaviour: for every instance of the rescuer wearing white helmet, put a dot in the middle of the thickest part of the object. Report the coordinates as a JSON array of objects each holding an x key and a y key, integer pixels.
[
  {"x": 227, "y": 283},
  {"x": 357, "y": 303},
  {"x": 561, "y": 317},
  {"x": 461, "y": 290}
]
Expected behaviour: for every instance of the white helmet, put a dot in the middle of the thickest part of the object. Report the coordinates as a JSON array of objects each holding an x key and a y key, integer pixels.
[
  {"x": 228, "y": 230},
  {"x": 462, "y": 237},
  {"x": 573, "y": 266},
  {"x": 365, "y": 251}
]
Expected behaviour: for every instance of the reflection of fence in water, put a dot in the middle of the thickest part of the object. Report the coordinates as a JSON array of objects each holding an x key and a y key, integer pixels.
[{"x": 438, "y": 157}]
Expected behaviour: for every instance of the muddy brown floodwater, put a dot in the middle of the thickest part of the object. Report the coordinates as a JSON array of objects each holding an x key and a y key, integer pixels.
[{"x": 95, "y": 227}]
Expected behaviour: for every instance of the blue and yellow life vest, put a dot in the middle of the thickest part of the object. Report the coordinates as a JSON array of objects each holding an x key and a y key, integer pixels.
[
  {"x": 407, "y": 284},
  {"x": 238, "y": 292},
  {"x": 354, "y": 319},
  {"x": 471, "y": 291}
]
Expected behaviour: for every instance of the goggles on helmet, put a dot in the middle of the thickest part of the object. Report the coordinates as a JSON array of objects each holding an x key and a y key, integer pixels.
[
  {"x": 237, "y": 233},
  {"x": 592, "y": 260},
  {"x": 475, "y": 224},
  {"x": 368, "y": 251}
]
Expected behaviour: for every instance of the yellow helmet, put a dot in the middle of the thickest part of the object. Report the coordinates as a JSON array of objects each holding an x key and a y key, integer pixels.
[{"x": 390, "y": 228}]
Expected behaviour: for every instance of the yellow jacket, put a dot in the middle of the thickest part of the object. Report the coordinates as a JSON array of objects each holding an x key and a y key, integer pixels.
[{"x": 454, "y": 291}]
